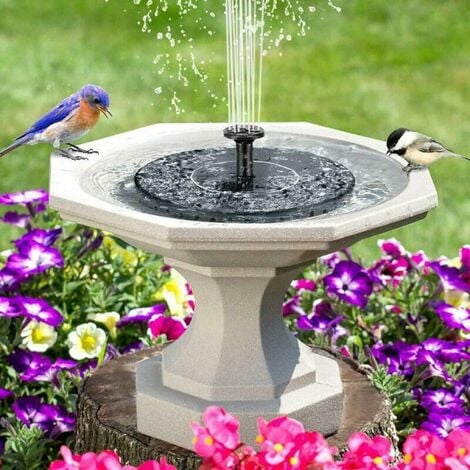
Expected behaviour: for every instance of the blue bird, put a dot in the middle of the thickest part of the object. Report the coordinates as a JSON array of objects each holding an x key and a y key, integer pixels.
[{"x": 71, "y": 119}]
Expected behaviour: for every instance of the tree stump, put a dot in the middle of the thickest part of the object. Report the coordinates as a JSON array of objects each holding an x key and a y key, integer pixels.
[{"x": 106, "y": 414}]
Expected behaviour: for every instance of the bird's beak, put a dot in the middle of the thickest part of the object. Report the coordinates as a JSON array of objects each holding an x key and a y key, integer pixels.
[
  {"x": 389, "y": 152},
  {"x": 106, "y": 112}
]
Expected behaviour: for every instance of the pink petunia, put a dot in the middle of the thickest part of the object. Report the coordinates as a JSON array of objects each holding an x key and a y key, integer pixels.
[{"x": 172, "y": 327}]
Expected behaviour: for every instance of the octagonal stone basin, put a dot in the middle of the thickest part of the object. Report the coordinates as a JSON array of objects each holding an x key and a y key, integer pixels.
[{"x": 237, "y": 352}]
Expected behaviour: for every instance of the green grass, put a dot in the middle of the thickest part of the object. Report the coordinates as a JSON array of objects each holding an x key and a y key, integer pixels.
[{"x": 374, "y": 67}]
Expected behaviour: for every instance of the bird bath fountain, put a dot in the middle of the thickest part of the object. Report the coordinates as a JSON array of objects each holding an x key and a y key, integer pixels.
[{"x": 239, "y": 224}]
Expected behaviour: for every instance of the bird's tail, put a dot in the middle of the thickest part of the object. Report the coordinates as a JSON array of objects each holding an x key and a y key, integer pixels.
[
  {"x": 457, "y": 155},
  {"x": 17, "y": 143},
  {"x": 11, "y": 147}
]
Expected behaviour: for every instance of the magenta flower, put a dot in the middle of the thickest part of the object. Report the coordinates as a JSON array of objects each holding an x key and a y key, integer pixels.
[
  {"x": 454, "y": 317},
  {"x": 292, "y": 306},
  {"x": 277, "y": 440},
  {"x": 367, "y": 453},
  {"x": 42, "y": 237},
  {"x": 9, "y": 308},
  {"x": 392, "y": 247},
  {"x": 311, "y": 450},
  {"x": 350, "y": 283},
  {"x": 172, "y": 327},
  {"x": 389, "y": 271},
  {"x": 304, "y": 285},
  {"x": 423, "y": 450},
  {"x": 34, "y": 258},
  {"x": 331, "y": 260},
  {"x": 218, "y": 438},
  {"x": 40, "y": 310},
  {"x": 141, "y": 315},
  {"x": 16, "y": 219},
  {"x": 105, "y": 460},
  {"x": 458, "y": 442},
  {"x": 24, "y": 198}
]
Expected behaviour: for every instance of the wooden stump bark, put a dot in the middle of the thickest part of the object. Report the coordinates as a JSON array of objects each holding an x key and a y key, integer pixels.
[{"x": 106, "y": 415}]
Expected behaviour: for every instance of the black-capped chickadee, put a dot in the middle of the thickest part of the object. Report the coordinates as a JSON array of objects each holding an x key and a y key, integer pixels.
[{"x": 417, "y": 149}]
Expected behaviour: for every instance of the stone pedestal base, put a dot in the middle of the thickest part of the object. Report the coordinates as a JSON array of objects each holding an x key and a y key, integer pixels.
[
  {"x": 164, "y": 413},
  {"x": 106, "y": 413}
]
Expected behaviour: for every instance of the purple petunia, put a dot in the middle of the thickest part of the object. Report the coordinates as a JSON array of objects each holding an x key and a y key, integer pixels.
[
  {"x": 442, "y": 401},
  {"x": 133, "y": 347},
  {"x": 9, "y": 280},
  {"x": 34, "y": 258},
  {"x": 9, "y": 308},
  {"x": 450, "y": 277},
  {"x": 16, "y": 219},
  {"x": 24, "y": 198},
  {"x": 40, "y": 310},
  {"x": 323, "y": 318},
  {"x": 139, "y": 315},
  {"x": 36, "y": 367},
  {"x": 51, "y": 419},
  {"x": 399, "y": 357},
  {"x": 5, "y": 393},
  {"x": 292, "y": 306},
  {"x": 454, "y": 317},
  {"x": 37, "y": 235},
  {"x": 350, "y": 283},
  {"x": 55, "y": 420},
  {"x": 443, "y": 424},
  {"x": 29, "y": 365}
]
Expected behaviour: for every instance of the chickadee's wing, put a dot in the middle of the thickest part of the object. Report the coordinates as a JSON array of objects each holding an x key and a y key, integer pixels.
[{"x": 428, "y": 145}]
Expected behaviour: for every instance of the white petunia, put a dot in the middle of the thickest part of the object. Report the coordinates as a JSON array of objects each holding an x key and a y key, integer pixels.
[
  {"x": 86, "y": 341},
  {"x": 38, "y": 336}
]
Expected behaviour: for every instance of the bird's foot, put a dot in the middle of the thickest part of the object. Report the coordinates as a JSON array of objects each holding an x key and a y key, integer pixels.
[
  {"x": 68, "y": 155},
  {"x": 410, "y": 167},
  {"x": 76, "y": 148}
]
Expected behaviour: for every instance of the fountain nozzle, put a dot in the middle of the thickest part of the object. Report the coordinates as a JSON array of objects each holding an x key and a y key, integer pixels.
[{"x": 244, "y": 138}]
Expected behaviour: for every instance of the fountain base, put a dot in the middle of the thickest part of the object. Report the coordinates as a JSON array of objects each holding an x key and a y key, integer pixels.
[
  {"x": 106, "y": 414},
  {"x": 318, "y": 405}
]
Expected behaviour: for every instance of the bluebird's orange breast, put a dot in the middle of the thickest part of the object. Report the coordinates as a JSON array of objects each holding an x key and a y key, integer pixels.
[{"x": 85, "y": 118}]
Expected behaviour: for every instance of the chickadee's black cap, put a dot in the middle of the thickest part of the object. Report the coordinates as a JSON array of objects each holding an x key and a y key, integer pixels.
[{"x": 395, "y": 136}]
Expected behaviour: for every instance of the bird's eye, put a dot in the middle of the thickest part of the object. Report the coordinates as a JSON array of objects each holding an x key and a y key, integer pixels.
[{"x": 96, "y": 100}]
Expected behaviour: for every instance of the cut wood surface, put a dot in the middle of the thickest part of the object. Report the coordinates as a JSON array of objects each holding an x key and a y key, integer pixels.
[{"x": 106, "y": 415}]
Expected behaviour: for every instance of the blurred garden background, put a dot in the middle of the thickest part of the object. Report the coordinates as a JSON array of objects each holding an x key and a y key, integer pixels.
[{"x": 374, "y": 66}]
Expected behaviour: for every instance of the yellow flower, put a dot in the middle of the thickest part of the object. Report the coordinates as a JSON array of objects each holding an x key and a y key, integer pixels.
[
  {"x": 175, "y": 293},
  {"x": 38, "y": 336},
  {"x": 109, "y": 319},
  {"x": 86, "y": 341},
  {"x": 128, "y": 256},
  {"x": 457, "y": 298}
]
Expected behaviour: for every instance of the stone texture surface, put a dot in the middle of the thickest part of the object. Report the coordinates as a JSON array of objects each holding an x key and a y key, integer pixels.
[{"x": 107, "y": 417}]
